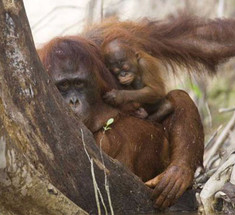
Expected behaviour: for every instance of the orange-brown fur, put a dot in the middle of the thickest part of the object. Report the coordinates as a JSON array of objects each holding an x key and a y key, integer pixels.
[
  {"x": 188, "y": 41},
  {"x": 138, "y": 144},
  {"x": 180, "y": 41}
]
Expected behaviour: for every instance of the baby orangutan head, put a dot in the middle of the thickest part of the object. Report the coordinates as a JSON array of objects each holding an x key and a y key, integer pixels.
[{"x": 122, "y": 61}]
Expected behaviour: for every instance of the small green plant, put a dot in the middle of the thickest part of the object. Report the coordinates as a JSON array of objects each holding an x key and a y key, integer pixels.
[{"x": 108, "y": 123}]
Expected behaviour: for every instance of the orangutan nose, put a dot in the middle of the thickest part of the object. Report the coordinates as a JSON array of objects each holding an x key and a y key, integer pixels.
[
  {"x": 74, "y": 101},
  {"x": 122, "y": 74}
]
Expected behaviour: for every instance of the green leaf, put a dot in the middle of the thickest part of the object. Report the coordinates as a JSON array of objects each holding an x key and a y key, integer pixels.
[{"x": 109, "y": 122}]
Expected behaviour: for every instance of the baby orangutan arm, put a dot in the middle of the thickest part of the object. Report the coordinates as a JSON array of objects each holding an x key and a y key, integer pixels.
[
  {"x": 186, "y": 151},
  {"x": 144, "y": 95}
]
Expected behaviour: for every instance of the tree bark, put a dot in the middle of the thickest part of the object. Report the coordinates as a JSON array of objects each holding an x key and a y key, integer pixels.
[
  {"x": 42, "y": 142},
  {"x": 24, "y": 190}
]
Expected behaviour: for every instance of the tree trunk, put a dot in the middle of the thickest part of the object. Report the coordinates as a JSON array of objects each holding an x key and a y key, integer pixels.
[{"x": 43, "y": 143}]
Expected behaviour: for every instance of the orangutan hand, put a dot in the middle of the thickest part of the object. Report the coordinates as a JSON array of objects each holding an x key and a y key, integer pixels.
[
  {"x": 114, "y": 97},
  {"x": 140, "y": 113},
  {"x": 170, "y": 185}
]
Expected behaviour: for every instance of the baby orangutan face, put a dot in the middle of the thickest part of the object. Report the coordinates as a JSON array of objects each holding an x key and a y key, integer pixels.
[{"x": 121, "y": 63}]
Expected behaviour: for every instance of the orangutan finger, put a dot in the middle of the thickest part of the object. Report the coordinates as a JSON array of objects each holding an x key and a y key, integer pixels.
[
  {"x": 183, "y": 187},
  {"x": 171, "y": 197},
  {"x": 164, "y": 194},
  {"x": 160, "y": 187},
  {"x": 153, "y": 182}
]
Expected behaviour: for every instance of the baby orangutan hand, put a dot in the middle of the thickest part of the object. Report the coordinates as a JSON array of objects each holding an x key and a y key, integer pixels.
[
  {"x": 140, "y": 113},
  {"x": 114, "y": 97},
  {"x": 170, "y": 185}
]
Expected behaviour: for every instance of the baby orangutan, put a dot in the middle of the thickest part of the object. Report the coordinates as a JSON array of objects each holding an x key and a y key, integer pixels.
[
  {"x": 135, "y": 52},
  {"x": 141, "y": 81}
]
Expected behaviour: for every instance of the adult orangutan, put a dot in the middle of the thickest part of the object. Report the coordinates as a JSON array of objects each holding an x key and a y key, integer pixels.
[
  {"x": 135, "y": 52},
  {"x": 163, "y": 158}
]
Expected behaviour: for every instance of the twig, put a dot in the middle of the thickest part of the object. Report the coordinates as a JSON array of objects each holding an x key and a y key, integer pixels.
[
  {"x": 224, "y": 134},
  {"x": 102, "y": 10},
  {"x": 202, "y": 178},
  {"x": 105, "y": 177},
  {"x": 209, "y": 114},
  {"x": 232, "y": 178},
  {"x": 71, "y": 26},
  {"x": 212, "y": 161},
  {"x": 52, "y": 11},
  {"x": 210, "y": 141},
  {"x": 45, "y": 24},
  {"x": 223, "y": 110},
  {"x": 96, "y": 188},
  {"x": 214, "y": 184}
]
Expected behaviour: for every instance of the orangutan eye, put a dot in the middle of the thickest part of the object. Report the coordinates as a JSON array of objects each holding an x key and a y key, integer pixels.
[
  {"x": 79, "y": 84},
  {"x": 63, "y": 86}
]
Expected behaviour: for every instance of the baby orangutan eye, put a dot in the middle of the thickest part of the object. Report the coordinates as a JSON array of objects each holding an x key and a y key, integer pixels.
[
  {"x": 115, "y": 70},
  {"x": 125, "y": 67}
]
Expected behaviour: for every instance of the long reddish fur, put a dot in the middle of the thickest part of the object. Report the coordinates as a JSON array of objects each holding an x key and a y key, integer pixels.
[{"x": 189, "y": 41}]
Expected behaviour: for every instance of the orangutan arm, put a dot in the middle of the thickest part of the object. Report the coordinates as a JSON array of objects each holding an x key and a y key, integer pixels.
[
  {"x": 186, "y": 139},
  {"x": 144, "y": 95}
]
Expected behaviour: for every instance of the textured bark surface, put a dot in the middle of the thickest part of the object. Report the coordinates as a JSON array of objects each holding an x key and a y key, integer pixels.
[{"x": 42, "y": 142}]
